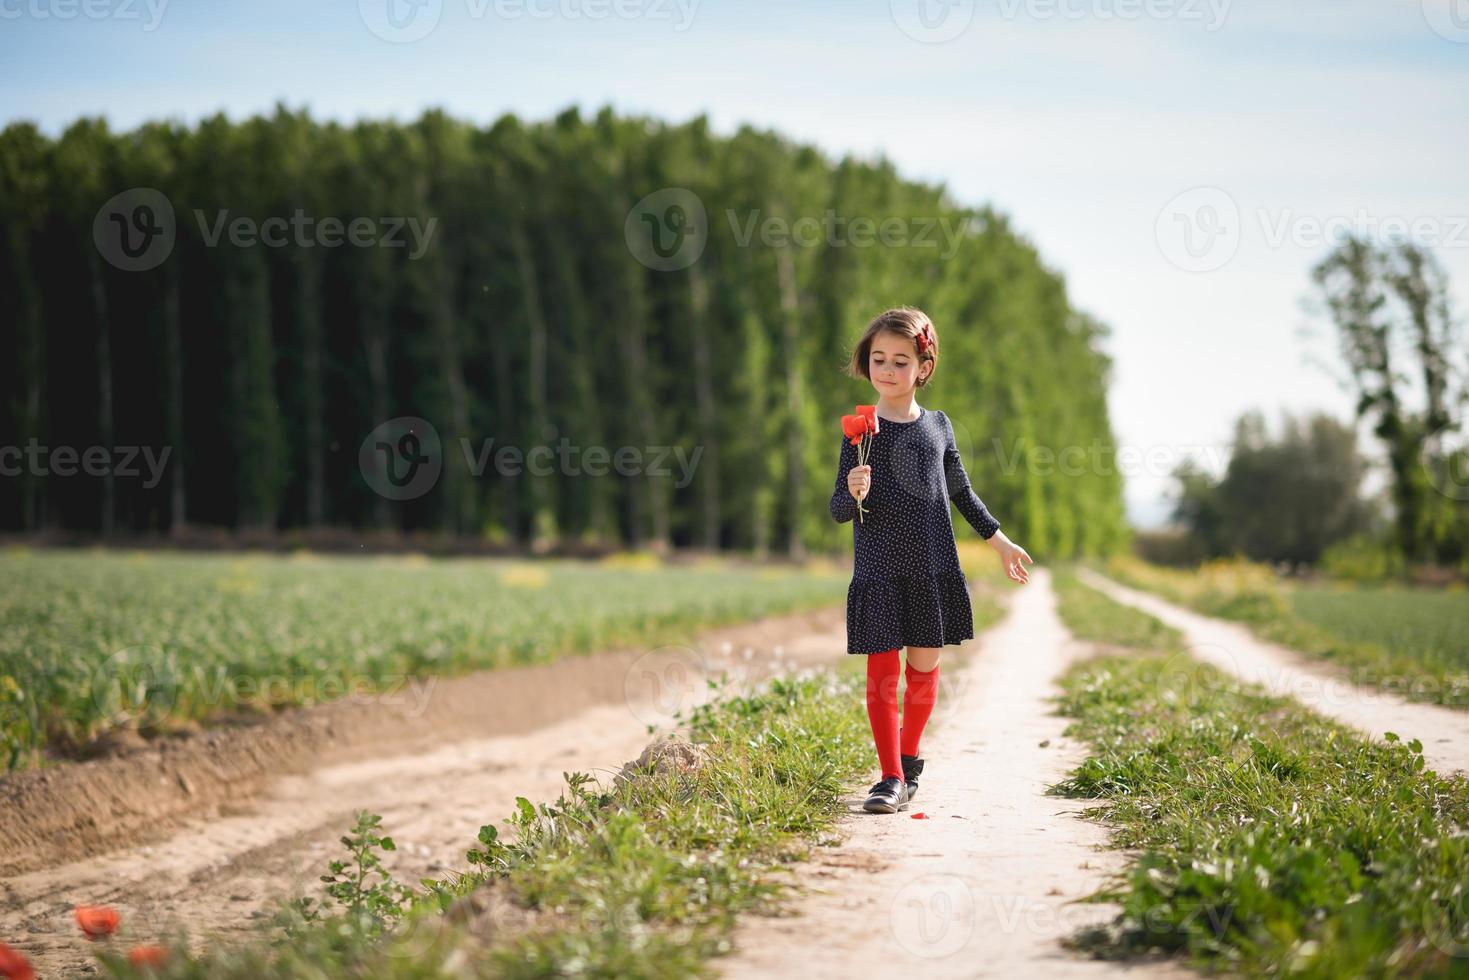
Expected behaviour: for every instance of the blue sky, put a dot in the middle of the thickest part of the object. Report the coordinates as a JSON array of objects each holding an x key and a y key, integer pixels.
[{"x": 1117, "y": 134}]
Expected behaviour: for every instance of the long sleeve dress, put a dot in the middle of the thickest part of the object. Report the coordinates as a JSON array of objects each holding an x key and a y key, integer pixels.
[{"x": 907, "y": 587}]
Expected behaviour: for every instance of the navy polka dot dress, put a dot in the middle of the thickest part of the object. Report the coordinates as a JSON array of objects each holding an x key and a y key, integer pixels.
[{"x": 907, "y": 587}]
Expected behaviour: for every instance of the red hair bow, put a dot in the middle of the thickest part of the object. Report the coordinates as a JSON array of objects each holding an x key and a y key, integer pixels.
[{"x": 924, "y": 338}]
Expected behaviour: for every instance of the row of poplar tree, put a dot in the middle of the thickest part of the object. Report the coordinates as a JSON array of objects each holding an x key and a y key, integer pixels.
[{"x": 261, "y": 363}]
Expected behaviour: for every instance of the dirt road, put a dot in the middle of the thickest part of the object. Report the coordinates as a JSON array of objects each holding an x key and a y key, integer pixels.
[
  {"x": 271, "y": 832},
  {"x": 1317, "y": 684},
  {"x": 986, "y": 885}
]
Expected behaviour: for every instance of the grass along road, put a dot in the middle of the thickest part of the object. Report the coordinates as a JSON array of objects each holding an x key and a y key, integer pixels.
[
  {"x": 1234, "y": 649},
  {"x": 1273, "y": 841}
]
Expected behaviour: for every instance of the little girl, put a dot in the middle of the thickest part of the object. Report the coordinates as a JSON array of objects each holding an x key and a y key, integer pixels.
[{"x": 907, "y": 587}]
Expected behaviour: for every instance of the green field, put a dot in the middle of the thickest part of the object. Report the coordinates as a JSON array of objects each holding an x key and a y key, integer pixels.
[
  {"x": 1413, "y": 642},
  {"x": 1430, "y": 627},
  {"x": 96, "y": 640}
]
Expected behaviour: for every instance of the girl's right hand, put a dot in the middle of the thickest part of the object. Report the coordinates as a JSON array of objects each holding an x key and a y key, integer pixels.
[{"x": 859, "y": 481}]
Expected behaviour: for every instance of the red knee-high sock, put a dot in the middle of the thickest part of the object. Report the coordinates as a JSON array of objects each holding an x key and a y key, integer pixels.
[
  {"x": 882, "y": 708},
  {"x": 918, "y": 701}
]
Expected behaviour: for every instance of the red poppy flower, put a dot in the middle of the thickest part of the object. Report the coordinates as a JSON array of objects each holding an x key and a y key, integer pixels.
[
  {"x": 14, "y": 965},
  {"x": 97, "y": 920},
  {"x": 148, "y": 956},
  {"x": 857, "y": 428}
]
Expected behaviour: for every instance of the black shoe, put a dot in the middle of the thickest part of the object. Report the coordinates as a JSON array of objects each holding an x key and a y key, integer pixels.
[
  {"x": 888, "y": 795},
  {"x": 912, "y": 766}
]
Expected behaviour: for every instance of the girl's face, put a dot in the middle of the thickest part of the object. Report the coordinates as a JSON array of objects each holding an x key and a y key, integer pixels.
[{"x": 893, "y": 364}]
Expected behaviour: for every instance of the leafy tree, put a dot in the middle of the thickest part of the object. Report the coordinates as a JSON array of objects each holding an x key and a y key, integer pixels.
[{"x": 526, "y": 320}]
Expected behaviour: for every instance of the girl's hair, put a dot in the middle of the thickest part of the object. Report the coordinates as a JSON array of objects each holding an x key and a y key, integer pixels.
[{"x": 904, "y": 321}]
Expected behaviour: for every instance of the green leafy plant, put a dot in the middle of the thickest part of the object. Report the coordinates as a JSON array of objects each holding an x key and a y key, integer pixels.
[{"x": 370, "y": 904}]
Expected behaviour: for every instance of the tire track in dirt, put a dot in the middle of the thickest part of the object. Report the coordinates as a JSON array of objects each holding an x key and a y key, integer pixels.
[
  {"x": 990, "y": 882},
  {"x": 1321, "y": 686},
  {"x": 221, "y": 868}
]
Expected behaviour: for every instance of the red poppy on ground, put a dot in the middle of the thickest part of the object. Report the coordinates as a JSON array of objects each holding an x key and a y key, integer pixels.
[
  {"x": 97, "y": 920},
  {"x": 148, "y": 956},
  {"x": 14, "y": 965},
  {"x": 920, "y": 815}
]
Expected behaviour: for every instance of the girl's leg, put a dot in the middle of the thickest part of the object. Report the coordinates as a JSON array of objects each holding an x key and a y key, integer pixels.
[
  {"x": 922, "y": 673},
  {"x": 882, "y": 708}
]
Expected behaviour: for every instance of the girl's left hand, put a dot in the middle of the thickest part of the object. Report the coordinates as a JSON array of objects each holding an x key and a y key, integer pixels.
[{"x": 1011, "y": 555}]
